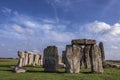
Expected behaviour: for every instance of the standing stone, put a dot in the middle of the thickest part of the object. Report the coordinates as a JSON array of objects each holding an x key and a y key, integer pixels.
[
  {"x": 21, "y": 59},
  {"x": 41, "y": 59},
  {"x": 68, "y": 63},
  {"x": 44, "y": 52},
  {"x": 82, "y": 63},
  {"x": 73, "y": 58},
  {"x": 96, "y": 60},
  {"x": 102, "y": 53},
  {"x": 36, "y": 59},
  {"x": 76, "y": 59},
  {"x": 50, "y": 59},
  {"x": 26, "y": 58},
  {"x": 30, "y": 58},
  {"x": 87, "y": 56}
]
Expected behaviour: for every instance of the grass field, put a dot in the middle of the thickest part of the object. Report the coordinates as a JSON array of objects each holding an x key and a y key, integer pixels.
[{"x": 36, "y": 73}]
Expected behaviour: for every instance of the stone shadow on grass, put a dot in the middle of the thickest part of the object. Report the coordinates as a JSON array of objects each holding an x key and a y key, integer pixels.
[
  {"x": 86, "y": 72},
  {"x": 32, "y": 71}
]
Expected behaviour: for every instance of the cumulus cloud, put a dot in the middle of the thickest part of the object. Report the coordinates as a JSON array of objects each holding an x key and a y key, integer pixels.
[
  {"x": 97, "y": 26},
  {"x": 115, "y": 30},
  {"x": 101, "y": 31}
]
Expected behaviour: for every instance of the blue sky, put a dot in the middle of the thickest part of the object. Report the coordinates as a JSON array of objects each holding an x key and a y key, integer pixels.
[{"x": 34, "y": 24}]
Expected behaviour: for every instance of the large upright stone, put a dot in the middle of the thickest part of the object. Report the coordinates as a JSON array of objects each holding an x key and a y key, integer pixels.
[
  {"x": 87, "y": 56},
  {"x": 21, "y": 60},
  {"x": 40, "y": 60},
  {"x": 102, "y": 53},
  {"x": 96, "y": 60},
  {"x": 50, "y": 59},
  {"x": 36, "y": 59},
  {"x": 73, "y": 58},
  {"x": 26, "y": 58},
  {"x": 30, "y": 58}
]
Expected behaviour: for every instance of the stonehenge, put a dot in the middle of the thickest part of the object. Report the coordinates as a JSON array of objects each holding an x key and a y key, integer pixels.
[
  {"x": 50, "y": 59},
  {"x": 81, "y": 53},
  {"x": 86, "y": 53}
]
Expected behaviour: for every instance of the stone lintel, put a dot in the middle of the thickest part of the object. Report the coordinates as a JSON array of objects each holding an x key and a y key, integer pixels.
[{"x": 83, "y": 42}]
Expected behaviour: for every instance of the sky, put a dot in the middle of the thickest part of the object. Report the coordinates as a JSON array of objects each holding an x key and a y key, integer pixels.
[{"x": 33, "y": 25}]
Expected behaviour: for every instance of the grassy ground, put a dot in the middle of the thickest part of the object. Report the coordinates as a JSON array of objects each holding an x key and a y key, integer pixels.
[{"x": 36, "y": 73}]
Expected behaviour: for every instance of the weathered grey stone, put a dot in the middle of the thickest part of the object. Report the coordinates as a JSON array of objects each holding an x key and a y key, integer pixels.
[
  {"x": 102, "y": 53},
  {"x": 69, "y": 60},
  {"x": 40, "y": 60},
  {"x": 36, "y": 57},
  {"x": 50, "y": 59},
  {"x": 30, "y": 58},
  {"x": 87, "y": 56},
  {"x": 83, "y": 41},
  {"x": 113, "y": 65},
  {"x": 19, "y": 69},
  {"x": 26, "y": 58},
  {"x": 21, "y": 61},
  {"x": 96, "y": 60},
  {"x": 73, "y": 59}
]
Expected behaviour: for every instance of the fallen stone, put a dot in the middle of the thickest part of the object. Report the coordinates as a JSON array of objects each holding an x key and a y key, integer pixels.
[
  {"x": 61, "y": 65},
  {"x": 112, "y": 65},
  {"x": 20, "y": 69}
]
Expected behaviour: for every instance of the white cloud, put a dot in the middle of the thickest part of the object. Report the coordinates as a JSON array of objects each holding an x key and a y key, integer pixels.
[
  {"x": 47, "y": 27},
  {"x": 48, "y": 21},
  {"x": 97, "y": 26},
  {"x": 30, "y": 24},
  {"x": 6, "y": 11},
  {"x": 60, "y": 37},
  {"x": 18, "y": 28},
  {"x": 115, "y": 30}
]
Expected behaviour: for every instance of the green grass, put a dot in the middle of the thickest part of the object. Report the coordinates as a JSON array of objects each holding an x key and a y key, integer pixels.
[{"x": 37, "y": 73}]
